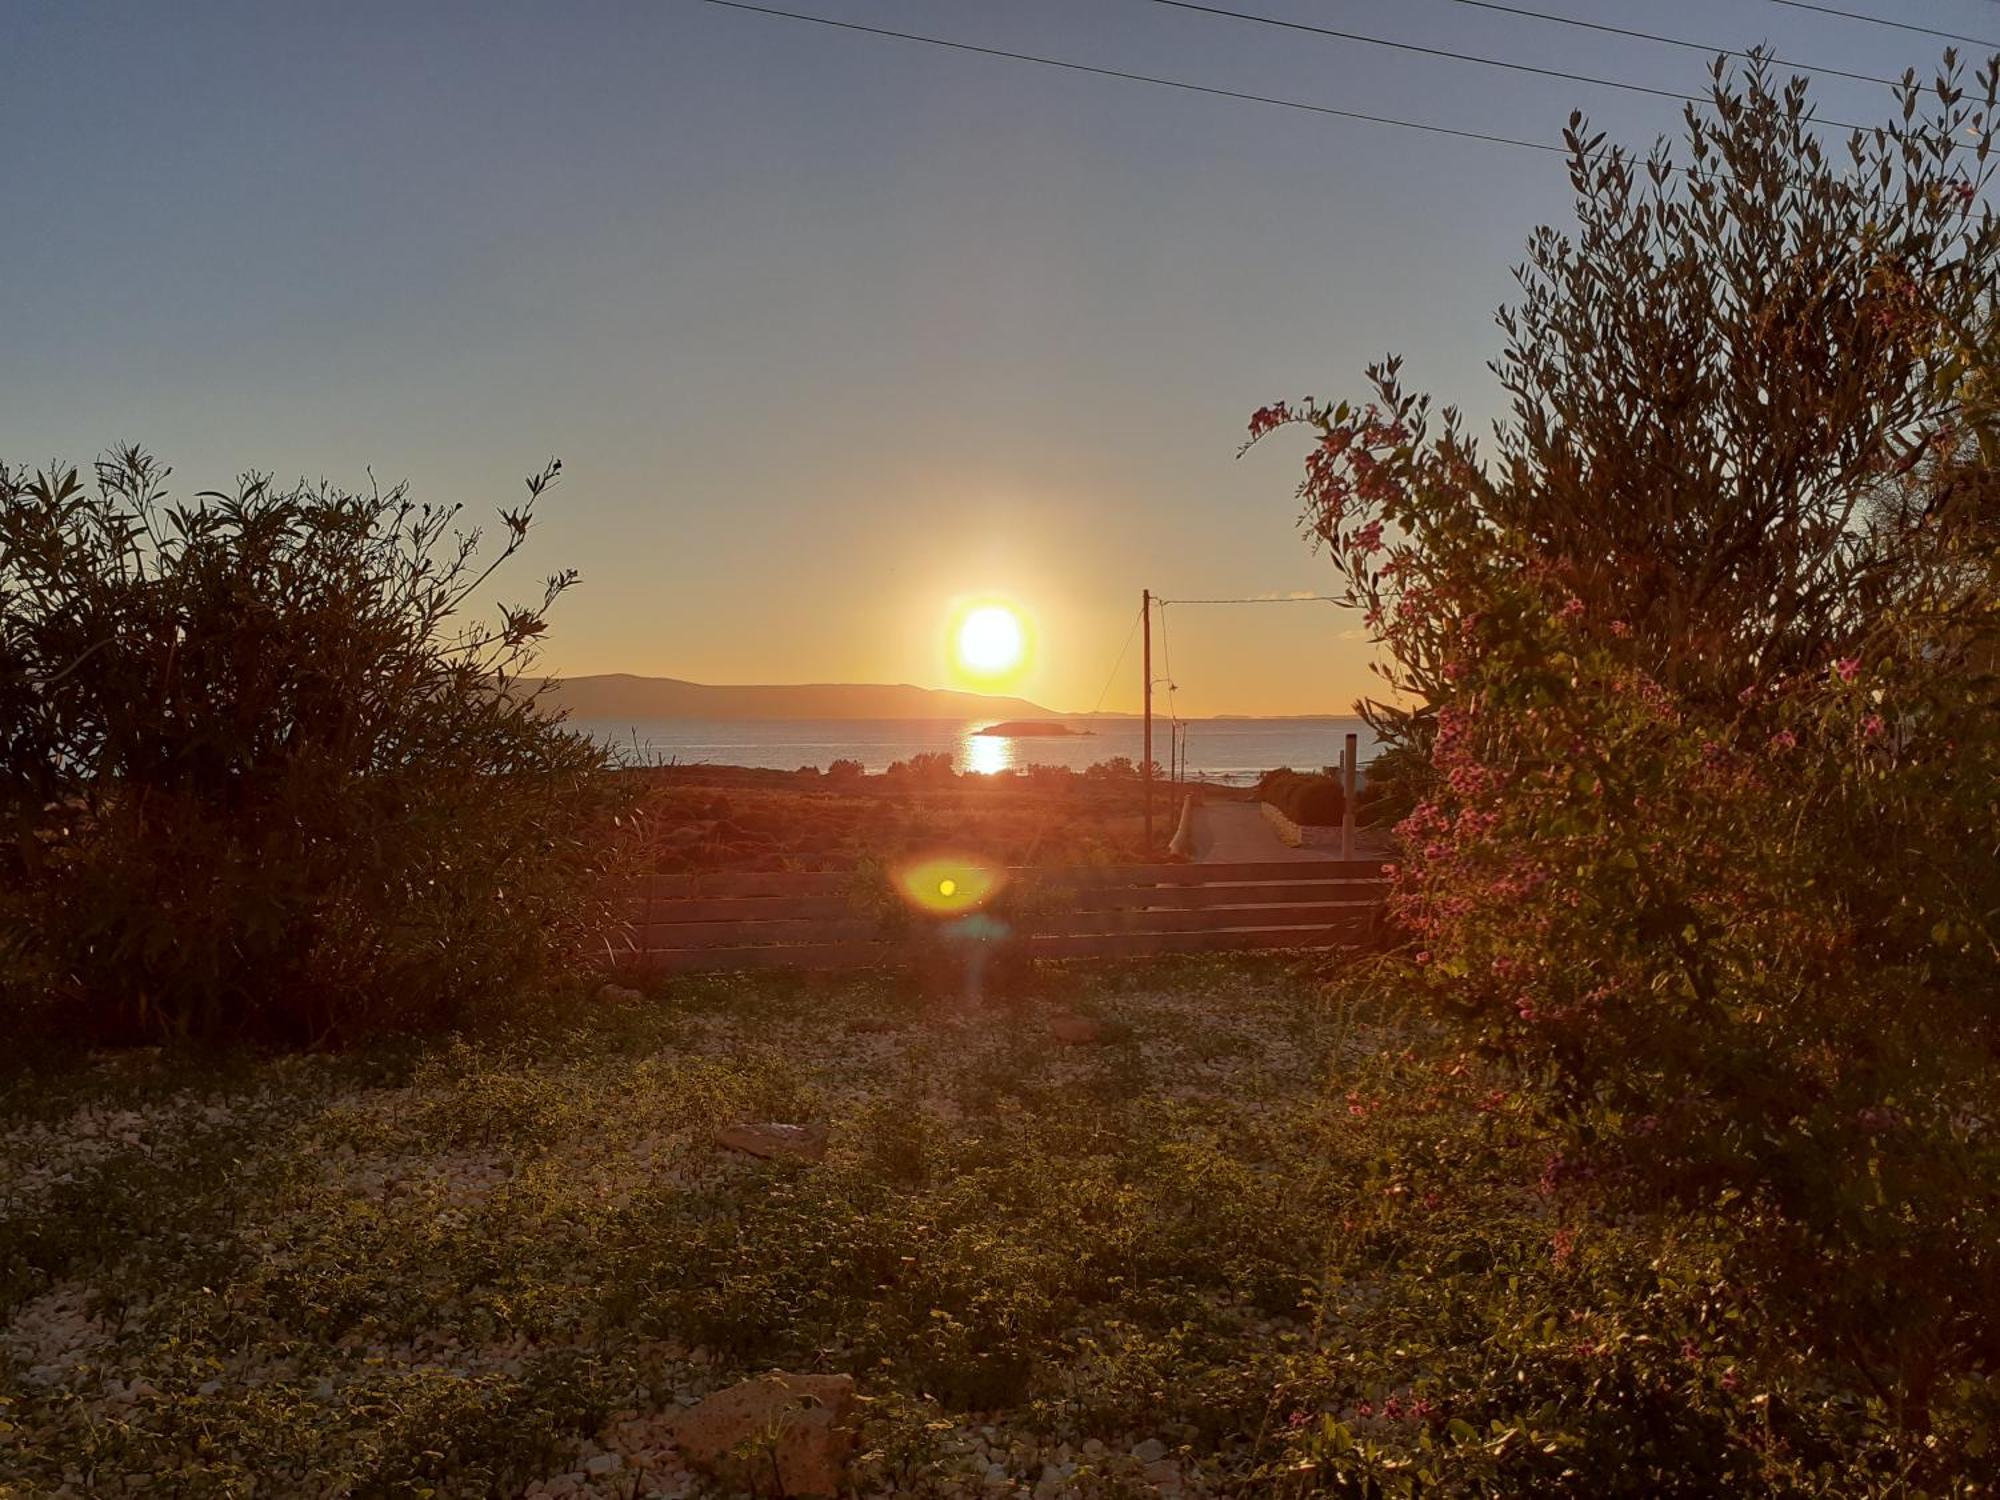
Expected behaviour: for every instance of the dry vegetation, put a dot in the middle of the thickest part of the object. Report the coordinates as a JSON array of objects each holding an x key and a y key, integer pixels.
[{"x": 727, "y": 818}]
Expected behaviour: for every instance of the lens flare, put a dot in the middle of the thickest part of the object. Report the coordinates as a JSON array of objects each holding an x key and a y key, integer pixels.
[{"x": 948, "y": 885}]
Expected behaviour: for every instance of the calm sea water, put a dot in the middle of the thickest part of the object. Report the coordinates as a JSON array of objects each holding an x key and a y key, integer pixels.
[{"x": 1228, "y": 750}]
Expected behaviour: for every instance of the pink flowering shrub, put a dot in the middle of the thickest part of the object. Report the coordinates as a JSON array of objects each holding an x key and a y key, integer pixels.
[{"x": 1701, "y": 666}]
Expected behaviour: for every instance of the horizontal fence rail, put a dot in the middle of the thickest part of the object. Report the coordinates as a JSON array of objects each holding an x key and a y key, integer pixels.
[{"x": 723, "y": 922}]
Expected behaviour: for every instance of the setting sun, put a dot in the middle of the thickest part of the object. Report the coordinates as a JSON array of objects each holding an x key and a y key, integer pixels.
[{"x": 991, "y": 640}]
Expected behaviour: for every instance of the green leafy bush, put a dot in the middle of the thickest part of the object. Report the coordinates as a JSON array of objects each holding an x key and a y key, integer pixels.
[
  {"x": 1703, "y": 669},
  {"x": 256, "y": 777},
  {"x": 1312, "y": 800},
  {"x": 1397, "y": 780}
]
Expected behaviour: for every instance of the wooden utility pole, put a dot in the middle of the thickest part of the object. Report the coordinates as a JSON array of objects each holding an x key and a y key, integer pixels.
[
  {"x": 1347, "y": 798},
  {"x": 1146, "y": 764}
]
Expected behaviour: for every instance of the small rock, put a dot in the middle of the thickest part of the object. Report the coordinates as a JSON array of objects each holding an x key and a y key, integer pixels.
[
  {"x": 1150, "y": 1452},
  {"x": 1093, "y": 1449},
  {"x": 1164, "y": 1475},
  {"x": 619, "y": 994},
  {"x": 772, "y": 1141},
  {"x": 604, "y": 1463},
  {"x": 800, "y": 1425},
  {"x": 1076, "y": 1031}
]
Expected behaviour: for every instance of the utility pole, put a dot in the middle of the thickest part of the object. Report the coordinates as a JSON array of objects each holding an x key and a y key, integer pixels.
[
  {"x": 1146, "y": 763},
  {"x": 1347, "y": 798}
]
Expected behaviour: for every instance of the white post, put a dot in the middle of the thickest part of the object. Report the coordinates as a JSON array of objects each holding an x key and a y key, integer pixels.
[{"x": 1347, "y": 801}]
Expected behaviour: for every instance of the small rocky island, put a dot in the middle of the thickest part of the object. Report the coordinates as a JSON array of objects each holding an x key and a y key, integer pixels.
[{"x": 1015, "y": 729}]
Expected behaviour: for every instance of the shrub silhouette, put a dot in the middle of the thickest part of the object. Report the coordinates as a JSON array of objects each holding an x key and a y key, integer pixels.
[
  {"x": 926, "y": 768},
  {"x": 260, "y": 778},
  {"x": 1696, "y": 711},
  {"x": 1310, "y": 800}
]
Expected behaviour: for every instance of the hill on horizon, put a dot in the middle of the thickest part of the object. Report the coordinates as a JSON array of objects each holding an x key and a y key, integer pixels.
[{"x": 625, "y": 695}]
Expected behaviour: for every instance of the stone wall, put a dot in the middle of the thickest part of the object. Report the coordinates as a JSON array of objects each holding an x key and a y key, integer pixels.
[{"x": 1300, "y": 837}]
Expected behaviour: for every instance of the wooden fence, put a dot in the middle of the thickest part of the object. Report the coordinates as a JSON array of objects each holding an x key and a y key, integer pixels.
[{"x": 714, "y": 923}]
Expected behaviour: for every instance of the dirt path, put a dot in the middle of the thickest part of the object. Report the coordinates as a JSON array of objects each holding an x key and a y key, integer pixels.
[{"x": 1228, "y": 833}]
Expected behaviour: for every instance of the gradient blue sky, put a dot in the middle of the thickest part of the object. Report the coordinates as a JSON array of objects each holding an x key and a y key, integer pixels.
[{"x": 828, "y": 331}]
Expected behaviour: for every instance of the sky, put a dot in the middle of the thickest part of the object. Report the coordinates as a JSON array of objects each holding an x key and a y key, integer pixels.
[{"x": 832, "y": 333}]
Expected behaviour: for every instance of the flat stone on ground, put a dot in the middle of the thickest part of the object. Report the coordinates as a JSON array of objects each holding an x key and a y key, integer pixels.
[
  {"x": 1076, "y": 1031},
  {"x": 783, "y": 1434},
  {"x": 774, "y": 1141}
]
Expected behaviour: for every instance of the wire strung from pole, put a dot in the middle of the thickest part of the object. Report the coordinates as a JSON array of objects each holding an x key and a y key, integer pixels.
[
  {"x": 1480, "y": 59},
  {"x": 1855, "y": 15},
  {"x": 1167, "y": 661},
  {"x": 1666, "y": 41},
  {"x": 1547, "y": 148},
  {"x": 1166, "y": 83},
  {"x": 1122, "y": 650},
  {"x": 1264, "y": 599}
]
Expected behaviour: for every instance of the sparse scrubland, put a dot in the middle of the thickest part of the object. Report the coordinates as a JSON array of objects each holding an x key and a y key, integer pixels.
[{"x": 700, "y": 818}]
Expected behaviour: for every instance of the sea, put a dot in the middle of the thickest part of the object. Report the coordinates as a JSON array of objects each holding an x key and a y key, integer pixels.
[{"x": 1228, "y": 751}]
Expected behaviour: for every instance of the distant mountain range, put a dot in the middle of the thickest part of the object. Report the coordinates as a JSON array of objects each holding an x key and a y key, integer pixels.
[{"x": 622, "y": 696}]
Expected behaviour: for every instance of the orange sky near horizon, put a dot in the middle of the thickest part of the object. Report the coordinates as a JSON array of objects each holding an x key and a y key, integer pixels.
[
  {"x": 892, "y": 617},
  {"x": 1248, "y": 660}
]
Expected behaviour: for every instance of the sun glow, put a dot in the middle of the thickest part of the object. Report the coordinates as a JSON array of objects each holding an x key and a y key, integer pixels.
[{"x": 991, "y": 641}]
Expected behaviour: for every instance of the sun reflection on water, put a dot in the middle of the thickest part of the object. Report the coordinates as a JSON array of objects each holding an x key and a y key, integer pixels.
[{"x": 988, "y": 754}]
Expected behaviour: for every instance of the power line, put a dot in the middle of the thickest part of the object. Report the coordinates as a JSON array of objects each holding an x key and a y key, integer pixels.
[
  {"x": 1121, "y": 659},
  {"x": 1167, "y": 661},
  {"x": 1264, "y": 599},
  {"x": 1666, "y": 41},
  {"x": 1183, "y": 85},
  {"x": 1166, "y": 83},
  {"x": 1855, "y": 15},
  {"x": 1468, "y": 57}
]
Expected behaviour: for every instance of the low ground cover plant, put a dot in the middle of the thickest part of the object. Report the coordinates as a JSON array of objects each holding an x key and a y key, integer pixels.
[{"x": 1267, "y": 1236}]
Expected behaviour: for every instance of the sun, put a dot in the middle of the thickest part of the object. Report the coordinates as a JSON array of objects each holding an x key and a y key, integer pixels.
[{"x": 991, "y": 641}]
